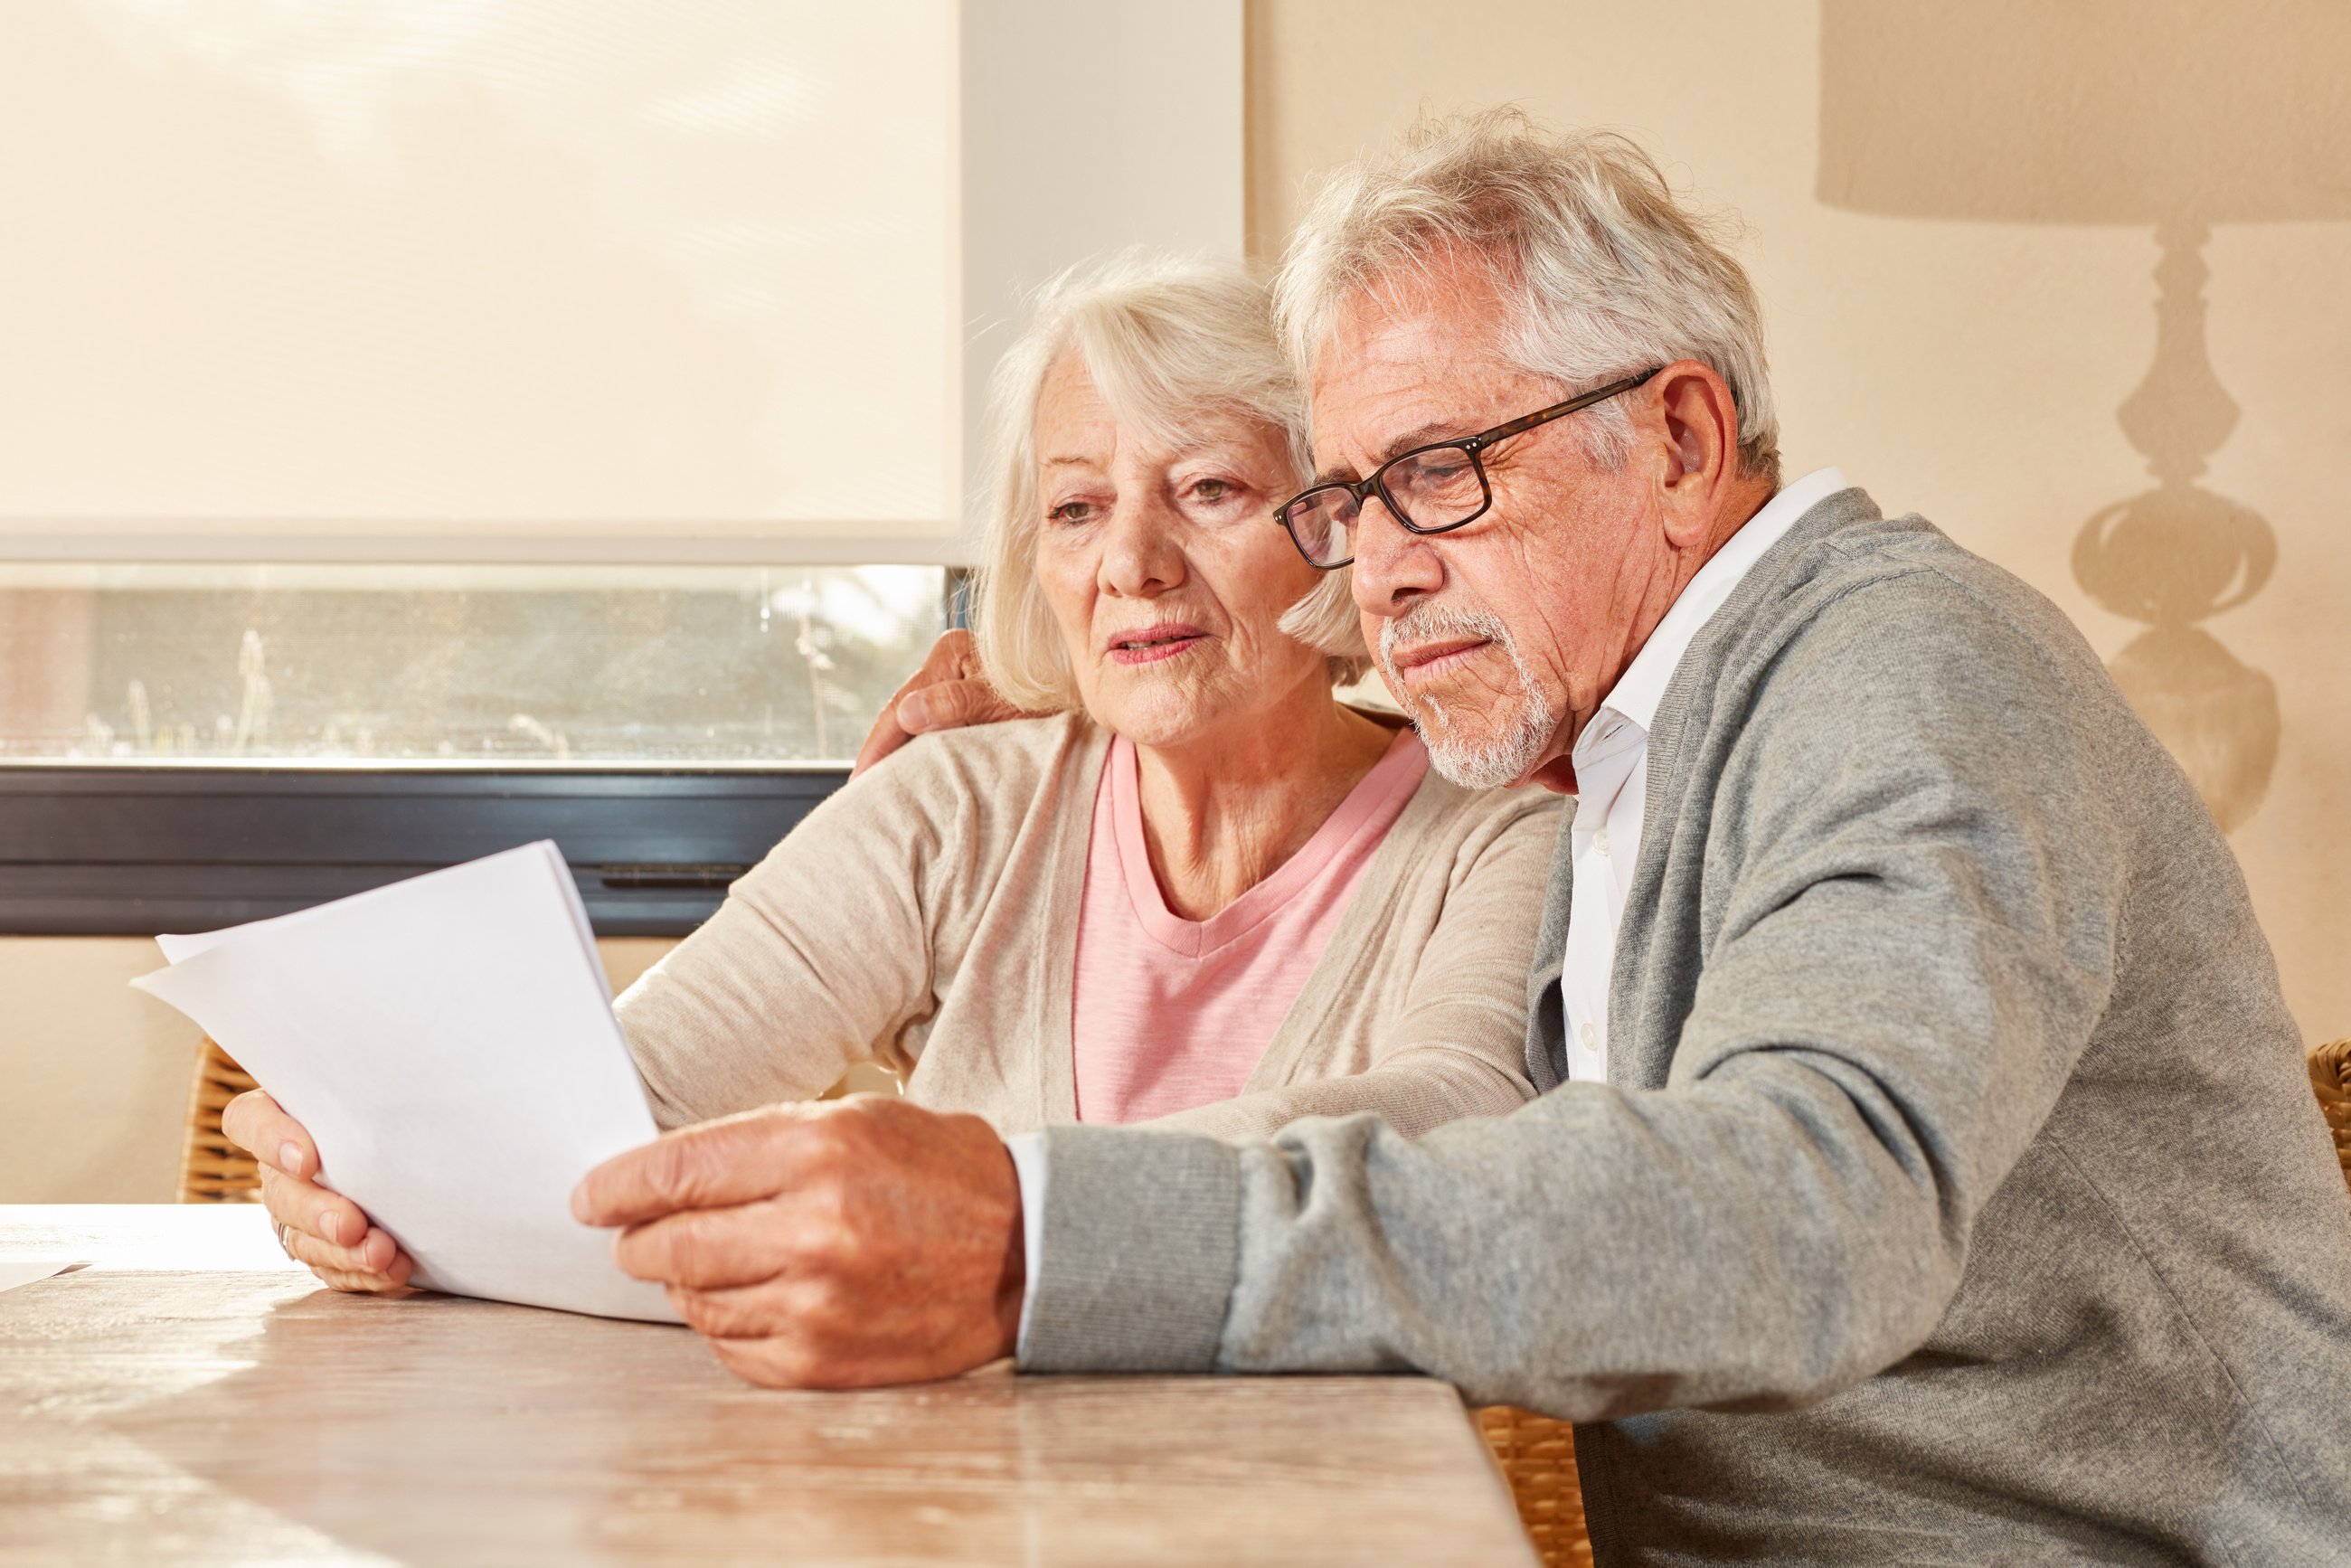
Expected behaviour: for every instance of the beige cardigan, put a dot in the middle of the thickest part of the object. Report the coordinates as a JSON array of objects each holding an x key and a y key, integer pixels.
[{"x": 926, "y": 917}]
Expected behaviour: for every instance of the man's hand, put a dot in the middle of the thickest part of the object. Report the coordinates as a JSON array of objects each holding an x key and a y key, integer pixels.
[
  {"x": 316, "y": 1226},
  {"x": 947, "y": 693},
  {"x": 839, "y": 1244}
]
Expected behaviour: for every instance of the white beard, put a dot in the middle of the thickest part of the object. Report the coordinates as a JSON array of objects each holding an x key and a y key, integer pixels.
[{"x": 1510, "y": 753}]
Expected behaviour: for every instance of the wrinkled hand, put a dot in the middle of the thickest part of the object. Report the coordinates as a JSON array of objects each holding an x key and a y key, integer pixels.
[
  {"x": 947, "y": 693},
  {"x": 318, "y": 1227},
  {"x": 835, "y": 1245}
]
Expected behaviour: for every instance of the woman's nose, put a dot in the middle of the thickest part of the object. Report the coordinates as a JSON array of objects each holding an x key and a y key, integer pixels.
[{"x": 1140, "y": 553}]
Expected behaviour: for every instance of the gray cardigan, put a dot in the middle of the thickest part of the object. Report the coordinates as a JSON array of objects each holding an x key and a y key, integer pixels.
[{"x": 1955, "y": 1195}]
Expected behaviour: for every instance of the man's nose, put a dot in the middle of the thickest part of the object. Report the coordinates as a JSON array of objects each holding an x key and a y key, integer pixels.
[{"x": 1394, "y": 568}]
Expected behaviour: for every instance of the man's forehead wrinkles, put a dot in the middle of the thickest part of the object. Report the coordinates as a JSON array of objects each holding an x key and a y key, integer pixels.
[
  {"x": 1360, "y": 401},
  {"x": 1401, "y": 383},
  {"x": 1421, "y": 435},
  {"x": 1429, "y": 429}
]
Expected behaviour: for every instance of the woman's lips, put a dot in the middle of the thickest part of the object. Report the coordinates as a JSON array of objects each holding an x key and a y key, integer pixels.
[{"x": 1150, "y": 645}]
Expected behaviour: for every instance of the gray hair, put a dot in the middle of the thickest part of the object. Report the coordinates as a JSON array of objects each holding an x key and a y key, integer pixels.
[
  {"x": 1604, "y": 273},
  {"x": 1164, "y": 341}
]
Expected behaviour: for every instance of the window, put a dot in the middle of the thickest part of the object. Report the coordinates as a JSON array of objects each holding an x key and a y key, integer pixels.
[
  {"x": 428, "y": 427},
  {"x": 199, "y": 744},
  {"x": 495, "y": 665}
]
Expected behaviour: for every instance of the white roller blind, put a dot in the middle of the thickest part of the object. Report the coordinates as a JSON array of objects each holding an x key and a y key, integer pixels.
[
  {"x": 636, "y": 280},
  {"x": 567, "y": 278}
]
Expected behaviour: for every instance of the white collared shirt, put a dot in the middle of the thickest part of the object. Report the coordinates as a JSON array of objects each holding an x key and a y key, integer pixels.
[{"x": 1612, "y": 772}]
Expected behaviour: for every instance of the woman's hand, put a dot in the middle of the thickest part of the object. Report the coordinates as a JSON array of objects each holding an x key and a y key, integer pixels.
[
  {"x": 947, "y": 693},
  {"x": 322, "y": 1230}
]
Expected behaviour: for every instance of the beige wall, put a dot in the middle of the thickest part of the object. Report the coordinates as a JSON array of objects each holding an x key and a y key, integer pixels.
[
  {"x": 98, "y": 1074},
  {"x": 1970, "y": 366}
]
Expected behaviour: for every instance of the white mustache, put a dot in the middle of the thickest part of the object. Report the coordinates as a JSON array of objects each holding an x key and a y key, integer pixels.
[
  {"x": 1499, "y": 745},
  {"x": 1430, "y": 620}
]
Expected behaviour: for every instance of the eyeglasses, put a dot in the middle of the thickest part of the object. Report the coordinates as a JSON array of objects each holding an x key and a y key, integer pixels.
[{"x": 1431, "y": 490}]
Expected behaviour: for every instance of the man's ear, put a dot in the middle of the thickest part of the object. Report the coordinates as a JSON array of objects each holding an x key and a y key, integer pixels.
[{"x": 1702, "y": 428}]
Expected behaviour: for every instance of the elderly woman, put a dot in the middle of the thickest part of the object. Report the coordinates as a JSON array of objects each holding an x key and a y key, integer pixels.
[{"x": 1201, "y": 891}]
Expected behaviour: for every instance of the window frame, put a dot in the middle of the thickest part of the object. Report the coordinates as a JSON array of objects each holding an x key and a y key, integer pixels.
[{"x": 128, "y": 850}]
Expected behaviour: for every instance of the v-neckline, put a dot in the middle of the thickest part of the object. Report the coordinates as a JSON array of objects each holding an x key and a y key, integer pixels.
[{"x": 1195, "y": 938}]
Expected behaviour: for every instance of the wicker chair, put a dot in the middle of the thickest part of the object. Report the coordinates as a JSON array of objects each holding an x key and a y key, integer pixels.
[
  {"x": 1536, "y": 1454},
  {"x": 1537, "y": 1457},
  {"x": 2330, "y": 1077},
  {"x": 213, "y": 1169}
]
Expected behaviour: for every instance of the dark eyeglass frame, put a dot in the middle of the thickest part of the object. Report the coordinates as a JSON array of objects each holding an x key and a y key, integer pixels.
[{"x": 1376, "y": 482}]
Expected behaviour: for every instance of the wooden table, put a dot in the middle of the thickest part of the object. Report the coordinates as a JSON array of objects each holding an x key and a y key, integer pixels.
[{"x": 193, "y": 1398}]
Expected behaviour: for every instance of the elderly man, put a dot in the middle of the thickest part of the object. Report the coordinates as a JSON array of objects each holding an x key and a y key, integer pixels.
[{"x": 1926, "y": 1170}]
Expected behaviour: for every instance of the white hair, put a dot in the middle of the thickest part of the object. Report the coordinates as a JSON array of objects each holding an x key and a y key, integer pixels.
[
  {"x": 1164, "y": 341},
  {"x": 1605, "y": 275}
]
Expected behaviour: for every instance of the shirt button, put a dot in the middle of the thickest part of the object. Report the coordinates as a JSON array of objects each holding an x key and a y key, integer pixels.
[
  {"x": 1588, "y": 1038},
  {"x": 1600, "y": 842}
]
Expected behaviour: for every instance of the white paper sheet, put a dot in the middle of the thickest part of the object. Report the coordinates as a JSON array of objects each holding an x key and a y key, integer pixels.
[
  {"x": 16, "y": 1271},
  {"x": 449, "y": 1042}
]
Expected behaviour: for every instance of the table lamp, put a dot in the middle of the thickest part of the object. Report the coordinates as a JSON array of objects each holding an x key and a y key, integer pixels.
[{"x": 2173, "y": 116}]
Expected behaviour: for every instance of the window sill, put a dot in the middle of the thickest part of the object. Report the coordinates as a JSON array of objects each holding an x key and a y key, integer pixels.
[{"x": 121, "y": 849}]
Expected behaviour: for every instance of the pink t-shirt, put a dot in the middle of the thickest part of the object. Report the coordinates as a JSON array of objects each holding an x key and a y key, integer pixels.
[{"x": 1170, "y": 1013}]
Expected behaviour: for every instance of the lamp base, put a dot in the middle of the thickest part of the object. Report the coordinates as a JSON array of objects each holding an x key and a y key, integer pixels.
[{"x": 2217, "y": 716}]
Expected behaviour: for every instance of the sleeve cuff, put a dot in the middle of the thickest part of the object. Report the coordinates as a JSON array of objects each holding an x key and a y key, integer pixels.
[
  {"x": 1027, "y": 1151},
  {"x": 1133, "y": 1250}
]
